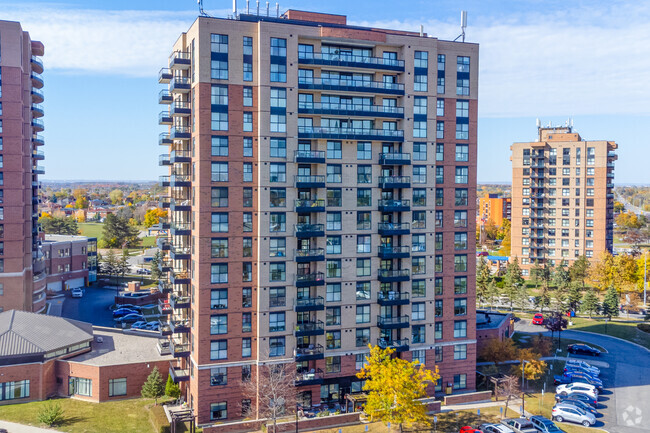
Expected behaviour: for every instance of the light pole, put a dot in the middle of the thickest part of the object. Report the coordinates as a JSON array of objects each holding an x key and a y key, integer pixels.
[{"x": 523, "y": 394}]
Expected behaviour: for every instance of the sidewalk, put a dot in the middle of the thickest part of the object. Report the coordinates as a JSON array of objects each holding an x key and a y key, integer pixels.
[
  {"x": 12, "y": 427},
  {"x": 514, "y": 404}
]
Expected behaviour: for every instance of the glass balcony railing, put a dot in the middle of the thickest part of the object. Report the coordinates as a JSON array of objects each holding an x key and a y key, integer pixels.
[
  {"x": 310, "y": 279},
  {"x": 310, "y": 156},
  {"x": 350, "y": 109},
  {"x": 394, "y": 181},
  {"x": 350, "y": 133},
  {"x": 350, "y": 60},
  {"x": 393, "y": 322},
  {"x": 351, "y": 85}
]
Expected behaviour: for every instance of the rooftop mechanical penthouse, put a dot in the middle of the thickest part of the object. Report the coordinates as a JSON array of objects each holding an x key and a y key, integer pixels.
[{"x": 322, "y": 197}]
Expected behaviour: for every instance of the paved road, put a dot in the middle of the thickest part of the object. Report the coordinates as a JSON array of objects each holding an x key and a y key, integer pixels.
[
  {"x": 93, "y": 307},
  {"x": 12, "y": 427},
  {"x": 624, "y": 404}
]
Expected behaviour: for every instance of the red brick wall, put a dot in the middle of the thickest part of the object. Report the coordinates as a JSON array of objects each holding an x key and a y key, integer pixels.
[
  {"x": 468, "y": 397},
  {"x": 303, "y": 425}
]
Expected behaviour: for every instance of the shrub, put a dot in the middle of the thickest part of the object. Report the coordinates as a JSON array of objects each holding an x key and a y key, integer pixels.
[
  {"x": 172, "y": 389},
  {"x": 645, "y": 327},
  {"x": 51, "y": 414}
]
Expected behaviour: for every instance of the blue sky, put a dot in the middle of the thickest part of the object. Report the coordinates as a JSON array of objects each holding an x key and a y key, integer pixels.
[{"x": 538, "y": 59}]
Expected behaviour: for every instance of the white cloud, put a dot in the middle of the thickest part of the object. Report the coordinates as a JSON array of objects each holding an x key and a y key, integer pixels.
[{"x": 579, "y": 61}]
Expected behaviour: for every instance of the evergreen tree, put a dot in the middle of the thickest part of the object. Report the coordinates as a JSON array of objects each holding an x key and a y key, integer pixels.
[
  {"x": 610, "y": 303},
  {"x": 512, "y": 280},
  {"x": 172, "y": 389},
  {"x": 590, "y": 303},
  {"x": 574, "y": 295},
  {"x": 579, "y": 270},
  {"x": 118, "y": 233},
  {"x": 155, "y": 270},
  {"x": 483, "y": 279},
  {"x": 153, "y": 387},
  {"x": 59, "y": 226}
]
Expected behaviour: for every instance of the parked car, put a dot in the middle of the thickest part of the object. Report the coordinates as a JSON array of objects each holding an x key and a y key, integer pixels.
[
  {"x": 519, "y": 425},
  {"x": 582, "y": 349},
  {"x": 580, "y": 404},
  {"x": 130, "y": 318},
  {"x": 77, "y": 292},
  {"x": 495, "y": 428},
  {"x": 140, "y": 324},
  {"x": 569, "y": 377},
  {"x": 571, "y": 362},
  {"x": 538, "y": 319},
  {"x": 123, "y": 312},
  {"x": 129, "y": 306},
  {"x": 152, "y": 326},
  {"x": 562, "y": 411},
  {"x": 593, "y": 402},
  {"x": 574, "y": 368},
  {"x": 468, "y": 429},
  {"x": 584, "y": 388},
  {"x": 143, "y": 271},
  {"x": 544, "y": 425}
]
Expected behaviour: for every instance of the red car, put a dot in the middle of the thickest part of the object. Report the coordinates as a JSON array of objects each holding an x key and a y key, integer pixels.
[
  {"x": 538, "y": 319},
  {"x": 468, "y": 429}
]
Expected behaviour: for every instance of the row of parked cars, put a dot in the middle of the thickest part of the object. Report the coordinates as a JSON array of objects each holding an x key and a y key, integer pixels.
[
  {"x": 535, "y": 424},
  {"x": 576, "y": 393},
  {"x": 127, "y": 313}
]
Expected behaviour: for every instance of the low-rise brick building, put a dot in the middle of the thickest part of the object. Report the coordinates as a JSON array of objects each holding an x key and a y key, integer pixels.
[
  {"x": 69, "y": 261},
  {"x": 492, "y": 324}
]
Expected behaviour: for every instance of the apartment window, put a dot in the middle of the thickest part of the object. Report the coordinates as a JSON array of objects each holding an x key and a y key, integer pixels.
[
  {"x": 460, "y": 381},
  {"x": 419, "y": 220},
  {"x": 219, "y": 324},
  {"x": 278, "y": 222},
  {"x": 246, "y": 298},
  {"x": 278, "y": 197},
  {"x": 421, "y": 59},
  {"x": 278, "y": 172},
  {"x": 219, "y": 95},
  {"x": 334, "y": 173},
  {"x": 248, "y": 58},
  {"x": 334, "y": 150},
  {"x": 419, "y": 174},
  {"x": 363, "y": 267},
  {"x": 462, "y": 152},
  {"x": 363, "y": 244},
  {"x": 278, "y": 271},
  {"x": 460, "y": 329},
  {"x": 277, "y": 247},
  {"x": 363, "y": 314},
  {"x": 460, "y": 285},
  {"x": 333, "y": 340},
  {"x": 277, "y": 322},
  {"x": 363, "y": 290},
  {"x": 218, "y": 299},
  {"x": 440, "y": 129},
  {"x": 334, "y": 197},
  {"x": 333, "y": 245},
  {"x": 462, "y": 109},
  {"x": 364, "y": 174},
  {"x": 219, "y": 222},
  {"x": 364, "y": 197},
  {"x": 248, "y": 121},
  {"x": 219, "y": 349},
  {"x": 461, "y": 197},
  {"x": 420, "y": 129},
  {"x": 460, "y": 218},
  {"x": 333, "y": 316},
  {"x": 440, "y": 107},
  {"x": 364, "y": 220},
  {"x": 418, "y": 265},
  {"x": 278, "y": 148},
  {"x": 333, "y": 220},
  {"x": 248, "y": 146},
  {"x": 462, "y": 87},
  {"x": 419, "y": 151},
  {"x": 420, "y": 83},
  {"x": 333, "y": 292},
  {"x": 219, "y": 273},
  {"x": 247, "y": 197},
  {"x": 278, "y": 60},
  {"x": 419, "y": 197},
  {"x": 219, "y": 172},
  {"x": 76, "y": 386},
  {"x": 418, "y": 334},
  {"x": 277, "y": 296},
  {"x": 332, "y": 364},
  {"x": 462, "y": 174},
  {"x": 219, "y": 121},
  {"x": 248, "y": 172},
  {"x": 441, "y": 84},
  {"x": 438, "y": 328},
  {"x": 116, "y": 387},
  {"x": 220, "y": 197},
  {"x": 276, "y": 346},
  {"x": 364, "y": 150},
  {"x": 333, "y": 267},
  {"x": 418, "y": 288},
  {"x": 219, "y": 248},
  {"x": 440, "y": 196},
  {"x": 420, "y": 106},
  {"x": 418, "y": 311},
  {"x": 362, "y": 337}
]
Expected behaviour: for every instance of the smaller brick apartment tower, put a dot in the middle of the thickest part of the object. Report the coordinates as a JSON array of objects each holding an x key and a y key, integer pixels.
[
  {"x": 562, "y": 198},
  {"x": 22, "y": 269},
  {"x": 494, "y": 207},
  {"x": 321, "y": 194}
]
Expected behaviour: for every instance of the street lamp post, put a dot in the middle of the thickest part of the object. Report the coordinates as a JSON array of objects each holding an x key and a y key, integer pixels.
[{"x": 523, "y": 394}]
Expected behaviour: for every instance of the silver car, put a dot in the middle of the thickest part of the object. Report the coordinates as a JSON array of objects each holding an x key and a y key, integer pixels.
[{"x": 564, "y": 412}]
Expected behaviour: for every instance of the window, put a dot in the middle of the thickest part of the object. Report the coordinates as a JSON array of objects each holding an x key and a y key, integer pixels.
[
  {"x": 219, "y": 273},
  {"x": 460, "y": 351},
  {"x": 420, "y": 129},
  {"x": 460, "y": 218},
  {"x": 440, "y": 129},
  {"x": 440, "y": 107},
  {"x": 461, "y": 197},
  {"x": 364, "y": 221},
  {"x": 418, "y": 288},
  {"x": 363, "y": 267},
  {"x": 420, "y": 82},
  {"x": 460, "y": 241},
  {"x": 248, "y": 121},
  {"x": 248, "y": 146},
  {"x": 363, "y": 290},
  {"x": 363, "y": 314},
  {"x": 363, "y": 244},
  {"x": 276, "y": 346},
  {"x": 246, "y": 298},
  {"x": 218, "y": 376},
  {"x": 278, "y": 197},
  {"x": 334, "y": 150},
  {"x": 333, "y": 316},
  {"x": 116, "y": 387},
  {"x": 278, "y": 222},
  {"x": 462, "y": 108},
  {"x": 460, "y": 329},
  {"x": 460, "y": 263},
  {"x": 278, "y": 271},
  {"x": 276, "y": 322},
  {"x": 460, "y": 381},
  {"x": 219, "y": 172},
  {"x": 420, "y": 106},
  {"x": 363, "y": 337},
  {"x": 219, "y": 146},
  {"x": 462, "y": 174},
  {"x": 248, "y": 172},
  {"x": 364, "y": 197},
  {"x": 438, "y": 286},
  {"x": 219, "y": 248},
  {"x": 333, "y": 292},
  {"x": 419, "y": 151},
  {"x": 418, "y": 334},
  {"x": 418, "y": 311},
  {"x": 360, "y": 360},
  {"x": 248, "y": 58},
  {"x": 278, "y": 73},
  {"x": 462, "y": 152},
  {"x": 277, "y": 247},
  {"x": 419, "y": 197},
  {"x": 462, "y": 87},
  {"x": 364, "y": 150},
  {"x": 334, "y": 173},
  {"x": 247, "y": 271},
  {"x": 460, "y": 285},
  {"x": 462, "y": 64},
  {"x": 218, "y": 411},
  {"x": 333, "y": 340},
  {"x": 333, "y": 245},
  {"x": 364, "y": 174},
  {"x": 278, "y": 172},
  {"x": 219, "y": 95},
  {"x": 220, "y": 222},
  {"x": 333, "y": 220},
  {"x": 438, "y": 330},
  {"x": 220, "y": 197},
  {"x": 462, "y": 131},
  {"x": 418, "y": 265},
  {"x": 332, "y": 364},
  {"x": 421, "y": 59},
  {"x": 277, "y": 296},
  {"x": 218, "y": 299},
  {"x": 219, "y": 121},
  {"x": 334, "y": 197},
  {"x": 440, "y": 196},
  {"x": 278, "y": 47},
  {"x": 219, "y": 324},
  {"x": 419, "y": 219},
  {"x": 248, "y": 96},
  {"x": 278, "y": 148},
  {"x": 333, "y": 268},
  {"x": 76, "y": 386},
  {"x": 219, "y": 69},
  {"x": 419, "y": 174}
]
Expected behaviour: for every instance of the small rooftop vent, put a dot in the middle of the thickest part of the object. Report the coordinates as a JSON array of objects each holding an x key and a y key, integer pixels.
[{"x": 99, "y": 339}]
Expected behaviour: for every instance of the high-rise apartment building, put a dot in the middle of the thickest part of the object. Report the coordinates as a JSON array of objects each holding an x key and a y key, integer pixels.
[
  {"x": 322, "y": 193},
  {"x": 495, "y": 208},
  {"x": 562, "y": 198},
  {"x": 22, "y": 269}
]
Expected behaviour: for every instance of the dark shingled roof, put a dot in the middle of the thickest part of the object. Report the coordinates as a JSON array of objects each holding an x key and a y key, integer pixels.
[{"x": 23, "y": 333}]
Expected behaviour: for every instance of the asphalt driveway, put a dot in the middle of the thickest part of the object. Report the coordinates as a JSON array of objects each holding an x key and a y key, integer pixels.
[{"x": 93, "y": 307}]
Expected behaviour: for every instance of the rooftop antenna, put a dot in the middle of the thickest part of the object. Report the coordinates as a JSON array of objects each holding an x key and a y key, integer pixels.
[
  {"x": 267, "y": 8},
  {"x": 538, "y": 123},
  {"x": 201, "y": 11},
  {"x": 421, "y": 30},
  {"x": 277, "y": 10},
  {"x": 463, "y": 25},
  {"x": 248, "y": 7},
  {"x": 258, "y": 8}
]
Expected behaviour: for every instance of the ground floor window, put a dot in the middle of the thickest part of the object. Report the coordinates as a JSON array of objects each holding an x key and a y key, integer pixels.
[
  {"x": 80, "y": 386},
  {"x": 218, "y": 411},
  {"x": 116, "y": 387},
  {"x": 14, "y": 390},
  {"x": 460, "y": 381}
]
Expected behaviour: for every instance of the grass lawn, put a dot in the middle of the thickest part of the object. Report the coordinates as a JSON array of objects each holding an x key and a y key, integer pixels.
[
  {"x": 91, "y": 230},
  {"x": 621, "y": 329},
  {"x": 126, "y": 416},
  {"x": 148, "y": 242}
]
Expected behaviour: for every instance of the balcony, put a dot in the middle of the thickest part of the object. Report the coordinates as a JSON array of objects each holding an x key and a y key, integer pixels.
[
  {"x": 165, "y": 75},
  {"x": 179, "y": 277},
  {"x": 306, "y": 329},
  {"x": 309, "y": 304},
  {"x": 393, "y": 322},
  {"x": 163, "y": 224},
  {"x": 311, "y": 255},
  {"x": 179, "y": 85},
  {"x": 163, "y": 244},
  {"x": 37, "y": 110},
  {"x": 308, "y": 280},
  {"x": 164, "y": 118},
  {"x": 351, "y": 86},
  {"x": 163, "y": 181},
  {"x": 388, "y": 182},
  {"x": 180, "y": 109},
  {"x": 610, "y": 165},
  {"x": 611, "y": 154},
  {"x": 343, "y": 109},
  {"x": 393, "y": 229},
  {"x": 180, "y": 180},
  {"x": 180, "y": 157},
  {"x": 163, "y": 307},
  {"x": 304, "y": 206},
  {"x": 180, "y": 302},
  {"x": 350, "y": 61},
  {"x": 350, "y": 133},
  {"x": 180, "y": 253},
  {"x": 164, "y": 97},
  {"x": 38, "y": 155},
  {"x": 165, "y": 329},
  {"x": 309, "y": 353},
  {"x": 180, "y": 205},
  {"x": 394, "y": 205},
  {"x": 309, "y": 156},
  {"x": 38, "y": 140},
  {"x": 397, "y": 345},
  {"x": 309, "y": 181},
  {"x": 37, "y": 169},
  {"x": 395, "y": 158},
  {"x": 163, "y": 160},
  {"x": 392, "y": 276},
  {"x": 181, "y": 229},
  {"x": 400, "y": 252},
  {"x": 37, "y": 80},
  {"x": 38, "y": 125},
  {"x": 164, "y": 139},
  {"x": 37, "y": 96},
  {"x": 610, "y": 175},
  {"x": 180, "y": 60},
  {"x": 179, "y": 349},
  {"x": 178, "y": 374},
  {"x": 304, "y": 231},
  {"x": 180, "y": 133},
  {"x": 37, "y": 65},
  {"x": 164, "y": 287},
  {"x": 393, "y": 298},
  {"x": 313, "y": 377},
  {"x": 179, "y": 326},
  {"x": 165, "y": 265}
]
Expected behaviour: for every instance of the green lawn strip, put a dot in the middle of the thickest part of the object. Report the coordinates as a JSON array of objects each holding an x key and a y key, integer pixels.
[
  {"x": 624, "y": 330},
  {"x": 124, "y": 416},
  {"x": 91, "y": 230}
]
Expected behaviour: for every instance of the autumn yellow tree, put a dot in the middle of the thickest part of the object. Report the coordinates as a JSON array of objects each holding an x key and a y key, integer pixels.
[
  {"x": 153, "y": 216},
  {"x": 534, "y": 366},
  {"x": 602, "y": 272},
  {"x": 394, "y": 386},
  {"x": 498, "y": 351}
]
